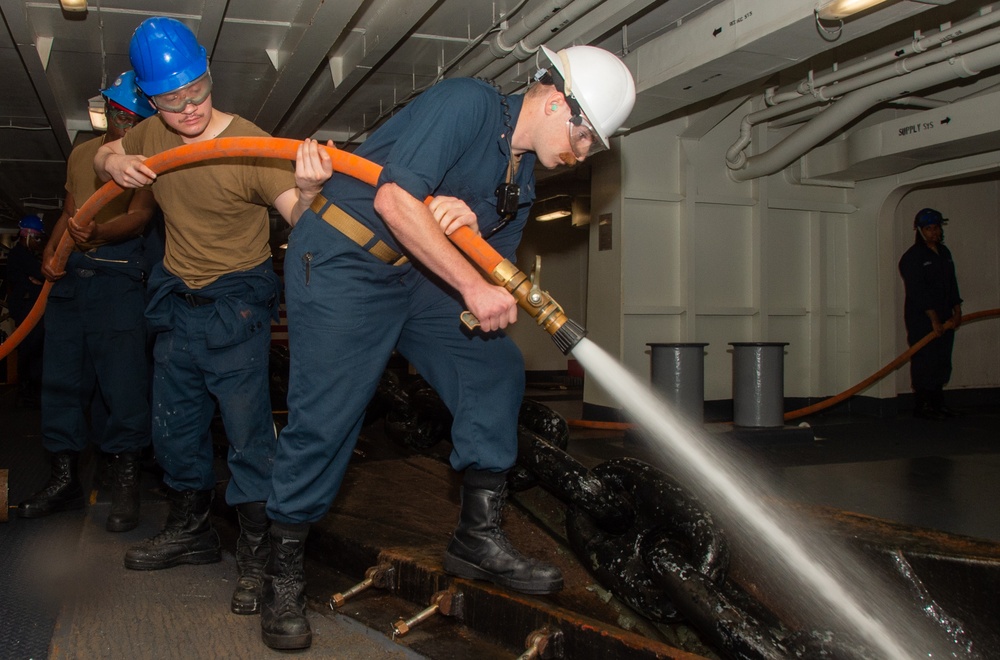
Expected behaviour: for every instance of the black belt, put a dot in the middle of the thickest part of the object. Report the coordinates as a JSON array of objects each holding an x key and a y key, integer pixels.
[
  {"x": 357, "y": 232},
  {"x": 195, "y": 300}
]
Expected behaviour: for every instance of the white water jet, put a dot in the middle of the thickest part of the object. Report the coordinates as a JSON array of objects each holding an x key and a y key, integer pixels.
[{"x": 875, "y": 615}]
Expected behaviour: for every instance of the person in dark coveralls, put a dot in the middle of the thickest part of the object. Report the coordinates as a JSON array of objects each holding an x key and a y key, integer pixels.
[
  {"x": 212, "y": 299},
  {"x": 370, "y": 269},
  {"x": 932, "y": 299},
  {"x": 24, "y": 283},
  {"x": 95, "y": 333}
]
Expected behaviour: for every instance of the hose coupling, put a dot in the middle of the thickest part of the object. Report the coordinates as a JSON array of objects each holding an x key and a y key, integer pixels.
[{"x": 539, "y": 304}]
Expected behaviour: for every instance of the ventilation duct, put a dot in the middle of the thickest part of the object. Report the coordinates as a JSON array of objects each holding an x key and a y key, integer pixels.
[
  {"x": 963, "y": 128},
  {"x": 854, "y": 104}
]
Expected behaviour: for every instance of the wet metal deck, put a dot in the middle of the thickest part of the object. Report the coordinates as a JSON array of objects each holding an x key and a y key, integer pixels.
[{"x": 65, "y": 594}]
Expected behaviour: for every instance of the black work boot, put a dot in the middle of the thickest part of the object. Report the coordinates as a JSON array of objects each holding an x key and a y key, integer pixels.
[
  {"x": 62, "y": 492},
  {"x": 124, "y": 493},
  {"x": 480, "y": 550},
  {"x": 252, "y": 550},
  {"x": 187, "y": 537},
  {"x": 283, "y": 622}
]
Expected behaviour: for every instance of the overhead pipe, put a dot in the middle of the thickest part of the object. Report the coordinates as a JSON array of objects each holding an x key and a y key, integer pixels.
[
  {"x": 849, "y": 108},
  {"x": 735, "y": 158},
  {"x": 547, "y": 313},
  {"x": 506, "y": 40},
  {"x": 902, "y": 67},
  {"x": 904, "y": 101},
  {"x": 528, "y": 46},
  {"x": 987, "y": 18}
]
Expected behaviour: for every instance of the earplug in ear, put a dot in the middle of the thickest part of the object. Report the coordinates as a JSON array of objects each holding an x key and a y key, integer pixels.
[{"x": 555, "y": 106}]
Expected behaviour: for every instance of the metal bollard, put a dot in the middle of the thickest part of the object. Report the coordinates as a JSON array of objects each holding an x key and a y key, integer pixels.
[
  {"x": 381, "y": 577},
  {"x": 759, "y": 384},
  {"x": 677, "y": 371},
  {"x": 448, "y": 603},
  {"x": 545, "y": 643}
]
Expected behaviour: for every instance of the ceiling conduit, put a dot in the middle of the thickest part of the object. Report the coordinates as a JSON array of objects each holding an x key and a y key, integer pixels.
[
  {"x": 527, "y": 46},
  {"x": 735, "y": 157},
  {"x": 902, "y": 102},
  {"x": 852, "y": 105},
  {"x": 505, "y": 42},
  {"x": 871, "y": 87},
  {"x": 987, "y": 18}
]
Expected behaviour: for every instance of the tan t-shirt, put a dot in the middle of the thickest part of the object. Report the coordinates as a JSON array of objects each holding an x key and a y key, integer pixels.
[
  {"x": 82, "y": 182},
  {"x": 215, "y": 211}
]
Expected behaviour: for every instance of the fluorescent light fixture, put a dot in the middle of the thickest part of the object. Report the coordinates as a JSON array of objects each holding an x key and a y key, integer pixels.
[
  {"x": 554, "y": 215},
  {"x": 73, "y": 5},
  {"x": 95, "y": 106},
  {"x": 835, "y": 10}
]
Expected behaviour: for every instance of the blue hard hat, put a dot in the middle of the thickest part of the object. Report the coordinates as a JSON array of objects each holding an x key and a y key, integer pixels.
[
  {"x": 927, "y": 217},
  {"x": 165, "y": 55},
  {"x": 32, "y": 223},
  {"x": 124, "y": 92}
]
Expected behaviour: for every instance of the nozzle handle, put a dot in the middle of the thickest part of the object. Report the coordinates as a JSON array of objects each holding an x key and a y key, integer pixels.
[{"x": 470, "y": 320}]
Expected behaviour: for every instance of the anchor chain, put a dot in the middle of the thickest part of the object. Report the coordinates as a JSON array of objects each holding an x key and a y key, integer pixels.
[
  {"x": 643, "y": 536},
  {"x": 661, "y": 514},
  {"x": 414, "y": 415},
  {"x": 667, "y": 559}
]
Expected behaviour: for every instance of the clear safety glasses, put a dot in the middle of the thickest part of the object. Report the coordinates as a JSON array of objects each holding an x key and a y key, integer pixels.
[
  {"x": 194, "y": 93},
  {"x": 583, "y": 138}
]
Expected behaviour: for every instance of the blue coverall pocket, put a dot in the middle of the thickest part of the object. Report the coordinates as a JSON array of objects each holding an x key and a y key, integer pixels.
[
  {"x": 245, "y": 357},
  {"x": 237, "y": 325},
  {"x": 328, "y": 279}
]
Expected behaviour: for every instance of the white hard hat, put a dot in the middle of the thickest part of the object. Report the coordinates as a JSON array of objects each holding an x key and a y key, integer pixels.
[{"x": 599, "y": 82}]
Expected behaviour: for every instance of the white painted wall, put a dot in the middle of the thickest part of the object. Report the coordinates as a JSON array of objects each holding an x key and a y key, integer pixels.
[{"x": 697, "y": 256}]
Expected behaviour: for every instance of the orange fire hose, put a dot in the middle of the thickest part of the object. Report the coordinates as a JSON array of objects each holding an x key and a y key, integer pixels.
[
  {"x": 541, "y": 307},
  {"x": 546, "y": 312},
  {"x": 887, "y": 369}
]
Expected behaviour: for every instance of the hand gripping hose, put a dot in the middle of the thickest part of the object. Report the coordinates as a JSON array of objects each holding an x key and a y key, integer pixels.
[{"x": 538, "y": 304}]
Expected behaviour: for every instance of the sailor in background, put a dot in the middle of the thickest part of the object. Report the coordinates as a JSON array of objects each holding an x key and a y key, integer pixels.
[{"x": 932, "y": 299}]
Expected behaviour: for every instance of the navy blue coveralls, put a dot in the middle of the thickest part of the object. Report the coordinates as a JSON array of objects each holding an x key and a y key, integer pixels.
[
  {"x": 213, "y": 344},
  {"x": 95, "y": 335},
  {"x": 930, "y": 283},
  {"x": 347, "y": 310}
]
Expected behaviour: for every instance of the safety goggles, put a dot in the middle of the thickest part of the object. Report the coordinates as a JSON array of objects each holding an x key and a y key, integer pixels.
[
  {"x": 194, "y": 93},
  {"x": 583, "y": 138},
  {"x": 121, "y": 118}
]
